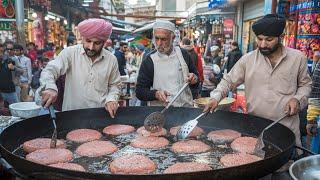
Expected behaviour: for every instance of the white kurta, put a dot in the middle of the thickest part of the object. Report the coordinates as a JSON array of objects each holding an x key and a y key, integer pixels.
[
  {"x": 88, "y": 84},
  {"x": 170, "y": 74}
]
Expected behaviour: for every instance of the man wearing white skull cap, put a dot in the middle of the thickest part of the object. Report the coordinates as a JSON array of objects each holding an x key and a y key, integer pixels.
[{"x": 166, "y": 69}]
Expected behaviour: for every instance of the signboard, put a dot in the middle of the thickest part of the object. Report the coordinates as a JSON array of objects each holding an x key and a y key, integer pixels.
[
  {"x": 228, "y": 28},
  {"x": 216, "y": 3},
  {"x": 305, "y": 5},
  {"x": 7, "y": 25}
]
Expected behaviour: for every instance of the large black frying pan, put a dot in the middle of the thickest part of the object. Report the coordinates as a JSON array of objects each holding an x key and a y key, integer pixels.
[{"x": 16, "y": 134}]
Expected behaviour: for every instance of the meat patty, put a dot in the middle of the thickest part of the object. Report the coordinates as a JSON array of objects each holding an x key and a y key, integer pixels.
[
  {"x": 230, "y": 160},
  {"x": 149, "y": 142},
  {"x": 68, "y": 166},
  {"x": 223, "y": 136},
  {"x": 96, "y": 148},
  {"x": 142, "y": 131},
  {"x": 40, "y": 143},
  {"x": 197, "y": 131},
  {"x": 83, "y": 135},
  {"x": 244, "y": 144},
  {"x": 190, "y": 146},
  {"x": 117, "y": 129},
  {"x": 185, "y": 167},
  {"x": 50, "y": 156},
  {"x": 132, "y": 164}
]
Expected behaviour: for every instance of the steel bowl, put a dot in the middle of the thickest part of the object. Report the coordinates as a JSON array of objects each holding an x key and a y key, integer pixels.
[
  {"x": 24, "y": 109},
  {"x": 306, "y": 168}
]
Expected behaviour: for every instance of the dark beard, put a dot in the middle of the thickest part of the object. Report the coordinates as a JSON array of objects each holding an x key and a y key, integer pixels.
[
  {"x": 268, "y": 51},
  {"x": 92, "y": 53}
]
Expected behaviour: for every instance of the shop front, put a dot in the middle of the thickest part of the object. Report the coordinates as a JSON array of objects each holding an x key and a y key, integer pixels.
[
  {"x": 7, "y": 21},
  {"x": 252, "y": 11}
]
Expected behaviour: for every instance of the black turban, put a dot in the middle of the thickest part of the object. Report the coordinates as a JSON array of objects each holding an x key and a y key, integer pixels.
[{"x": 269, "y": 25}]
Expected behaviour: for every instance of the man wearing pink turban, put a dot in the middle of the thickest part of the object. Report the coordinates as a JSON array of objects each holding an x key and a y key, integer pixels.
[{"x": 92, "y": 76}]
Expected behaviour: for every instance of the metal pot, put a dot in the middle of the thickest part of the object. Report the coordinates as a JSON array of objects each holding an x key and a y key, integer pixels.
[{"x": 307, "y": 168}]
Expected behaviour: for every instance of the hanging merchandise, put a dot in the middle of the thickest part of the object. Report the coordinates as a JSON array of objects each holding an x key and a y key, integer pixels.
[
  {"x": 7, "y": 9},
  {"x": 142, "y": 40},
  {"x": 308, "y": 32},
  {"x": 38, "y": 33}
]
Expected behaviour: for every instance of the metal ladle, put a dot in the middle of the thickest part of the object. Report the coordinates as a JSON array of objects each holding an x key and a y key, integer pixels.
[
  {"x": 155, "y": 121},
  {"x": 53, "y": 142},
  {"x": 258, "y": 150}
]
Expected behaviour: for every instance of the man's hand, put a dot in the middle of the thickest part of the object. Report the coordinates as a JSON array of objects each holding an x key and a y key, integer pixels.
[
  {"x": 192, "y": 78},
  {"x": 49, "y": 96},
  {"x": 312, "y": 128},
  {"x": 162, "y": 96},
  {"x": 211, "y": 106},
  {"x": 292, "y": 107},
  {"x": 11, "y": 66},
  {"x": 112, "y": 107}
]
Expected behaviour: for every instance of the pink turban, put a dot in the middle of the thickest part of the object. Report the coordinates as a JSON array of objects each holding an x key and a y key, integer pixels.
[{"x": 95, "y": 28}]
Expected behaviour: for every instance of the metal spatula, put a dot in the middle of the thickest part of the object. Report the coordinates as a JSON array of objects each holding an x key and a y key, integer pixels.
[
  {"x": 155, "y": 121},
  {"x": 258, "y": 150},
  {"x": 53, "y": 142},
  {"x": 187, "y": 127}
]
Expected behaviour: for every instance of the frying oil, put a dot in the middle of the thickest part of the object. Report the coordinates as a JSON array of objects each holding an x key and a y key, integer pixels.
[{"x": 162, "y": 157}]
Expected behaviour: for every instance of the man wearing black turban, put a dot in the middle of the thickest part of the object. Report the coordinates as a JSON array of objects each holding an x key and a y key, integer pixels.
[
  {"x": 271, "y": 25},
  {"x": 276, "y": 79}
]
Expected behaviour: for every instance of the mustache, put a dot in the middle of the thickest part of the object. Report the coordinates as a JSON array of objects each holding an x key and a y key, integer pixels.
[{"x": 89, "y": 50}]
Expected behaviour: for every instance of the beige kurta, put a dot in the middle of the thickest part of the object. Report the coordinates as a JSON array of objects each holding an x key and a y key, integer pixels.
[
  {"x": 269, "y": 89},
  {"x": 88, "y": 84}
]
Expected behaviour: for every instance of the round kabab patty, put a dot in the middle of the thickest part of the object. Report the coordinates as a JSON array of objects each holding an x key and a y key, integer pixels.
[
  {"x": 190, "y": 146},
  {"x": 185, "y": 167},
  {"x": 143, "y": 132},
  {"x": 83, "y": 135},
  {"x": 223, "y": 136},
  {"x": 41, "y": 143},
  {"x": 50, "y": 156},
  {"x": 96, "y": 148},
  {"x": 118, "y": 129},
  {"x": 244, "y": 144},
  {"x": 149, "y": 142},
  {"x": 132, "y": 164},
  {"x": 230, "y": 160},
  {"x": 68, "y": 166},
  {"x": 197, "y": 131}
]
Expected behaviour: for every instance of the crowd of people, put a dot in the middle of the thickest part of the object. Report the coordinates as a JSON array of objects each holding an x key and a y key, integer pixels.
[{"x": 276, "y": 78}]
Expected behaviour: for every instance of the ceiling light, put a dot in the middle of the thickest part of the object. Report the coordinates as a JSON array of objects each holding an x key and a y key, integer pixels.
[
  {"x": 46, "y": 18},
  {"x": 58, "y": 19},
  {"x": 85, "y": 4}
]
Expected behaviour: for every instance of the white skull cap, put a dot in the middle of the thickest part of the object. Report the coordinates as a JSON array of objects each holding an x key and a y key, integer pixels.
[{"x": 163, "y": 24}]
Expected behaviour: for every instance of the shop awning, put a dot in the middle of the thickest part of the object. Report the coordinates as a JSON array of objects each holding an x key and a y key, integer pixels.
[
  {"x": 121, "y": 30},
  {"x": 144, "y": 28}
]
